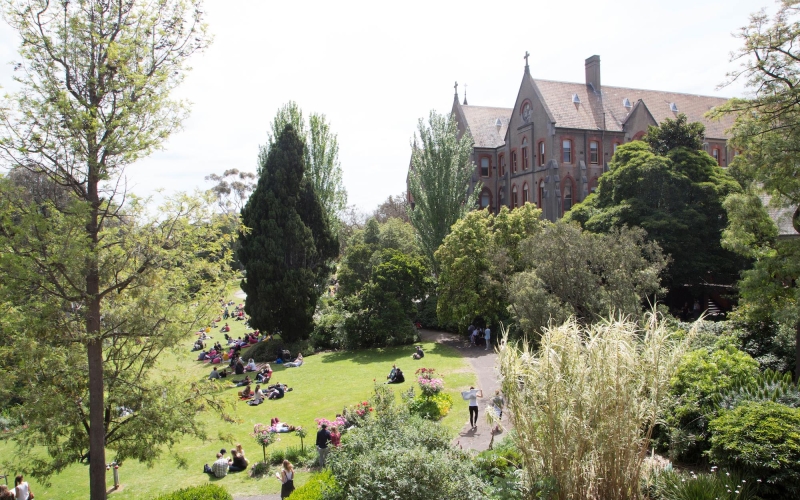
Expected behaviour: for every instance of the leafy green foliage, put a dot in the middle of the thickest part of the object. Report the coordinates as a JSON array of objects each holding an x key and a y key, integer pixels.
[
  {"x": 701, "y": 374},
  {"x": 501, "y": 468},
  {"x": 767, "y": 386},
  {"x": 574, "y": 273},
  {"x": 671, "y": 134},
  {"x": 763, "y": 440},
  {"x": 431, "y": 407},
  {"x": 316, "y": 487},
  {"x": 396, "y": 455},
  {"x": 288, "y": 248},
  {"x": 441, "y": 167},
  {"x": 670, "y": 485},
  {"x": 676, "y": 196},
  {"x": 204, "y": 492},
  {"x": 321, "y": 153},
  {"x": 476, "y": 261}
]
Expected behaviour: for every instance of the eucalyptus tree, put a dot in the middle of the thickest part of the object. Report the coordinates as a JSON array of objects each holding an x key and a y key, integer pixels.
[
  {"x": 438, "y": 180},
  {"x": 95, "y": 82}
]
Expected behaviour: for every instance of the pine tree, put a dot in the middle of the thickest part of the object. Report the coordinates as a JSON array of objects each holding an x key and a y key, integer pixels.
[{"x": 289, "y": 247}]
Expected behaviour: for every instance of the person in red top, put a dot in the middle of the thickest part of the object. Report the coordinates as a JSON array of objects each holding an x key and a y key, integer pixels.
[{"x": 336, "y": 437}]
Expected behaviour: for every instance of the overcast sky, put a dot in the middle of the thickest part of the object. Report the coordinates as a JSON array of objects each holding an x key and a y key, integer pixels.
[{"x": 374, "y": 68}]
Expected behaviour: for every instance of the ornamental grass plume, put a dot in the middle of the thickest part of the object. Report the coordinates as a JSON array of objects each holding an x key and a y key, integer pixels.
[{"x": 585, "y": 403}]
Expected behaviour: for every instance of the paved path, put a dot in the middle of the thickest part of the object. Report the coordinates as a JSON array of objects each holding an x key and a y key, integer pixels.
[{"x": 484, "y": 363}]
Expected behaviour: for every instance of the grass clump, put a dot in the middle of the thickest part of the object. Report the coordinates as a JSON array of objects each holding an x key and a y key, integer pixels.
[{"x": 204, "y": 492}]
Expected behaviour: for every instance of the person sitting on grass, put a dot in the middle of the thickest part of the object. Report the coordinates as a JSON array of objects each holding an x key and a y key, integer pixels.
[
  {"x": 251, "y": 366},
  {"x": 397, "y": 377},
  {"x": 226, "y": 328},
  {"x": 220, "y": 468},
  {"x": 419, "y": 354},
  {"x": 264, "y": 374},
  {"x": 238, "y": 366},
  {"x": 198, "y": 345},
  {"x": 239, "y": 463},
  {"x": 258, "y": 397},
  {"x": 214, "y": 374},
  {"x": 203, "y": 356},
  {"x": 247, "y": 393},
  {"x": 297, "y": 362},
  {"x": 277, "y": 391}
]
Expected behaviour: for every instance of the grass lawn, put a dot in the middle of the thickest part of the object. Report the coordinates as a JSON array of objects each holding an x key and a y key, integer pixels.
[{"x": 325, "y": 384}]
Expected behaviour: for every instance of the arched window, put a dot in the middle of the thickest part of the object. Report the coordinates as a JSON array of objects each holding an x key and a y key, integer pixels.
[
  {"x": 485, "y": 164},
  {"x": 594, "y": 152},
  {"x": 715, "y": 154},
  {"x": 566, "y": 151},
  {"x": 541, "y": 193},
  {"x": 525, "y": 164},
  {"x": 541, "y": 153},
  {"x": 514, "y": 196},
  {"x": 514, "y": 162},
  {"x": 501, "y": 198},
  {"x": 486, "y": 199},
  {"x": 525, "y": 198},
  {"x": 616, "y": 145},
  {"x": 567, "y": 196},
  {"x": 502, "y": 161},
  {"x": 593, "y": 185}
]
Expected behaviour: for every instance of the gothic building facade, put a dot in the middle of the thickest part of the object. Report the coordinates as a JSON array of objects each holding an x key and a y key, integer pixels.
[{"x": 553, "y": 145}]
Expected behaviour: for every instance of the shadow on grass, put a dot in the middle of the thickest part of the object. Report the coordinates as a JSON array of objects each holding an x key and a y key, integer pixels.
[{"x": 391, "y": 354}]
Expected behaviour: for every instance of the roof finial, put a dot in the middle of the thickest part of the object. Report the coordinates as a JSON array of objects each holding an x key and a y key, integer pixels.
[
  {"x": 527, "y": 69},
  {"x": 465, "y": 95}
]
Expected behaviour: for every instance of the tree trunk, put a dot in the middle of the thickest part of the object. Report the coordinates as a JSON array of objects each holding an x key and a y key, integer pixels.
[{"x": 94, "y": 348}]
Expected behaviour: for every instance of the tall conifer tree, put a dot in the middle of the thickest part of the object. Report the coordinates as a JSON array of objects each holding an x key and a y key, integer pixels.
[{"x": 288, "y": 251}]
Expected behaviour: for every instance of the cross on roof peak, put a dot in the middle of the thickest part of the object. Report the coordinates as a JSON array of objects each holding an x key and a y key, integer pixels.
[{"x": 527, "y": 54}]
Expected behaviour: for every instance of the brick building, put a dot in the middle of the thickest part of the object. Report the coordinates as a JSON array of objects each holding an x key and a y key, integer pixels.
[{"x": 553, "y": 145}]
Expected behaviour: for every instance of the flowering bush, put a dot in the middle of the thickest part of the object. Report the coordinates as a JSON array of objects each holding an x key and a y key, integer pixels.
[
  {"x": 339, "y": 421},
  {"x": 430, "y": 386},
  {"x": 426, "y": 373},
  {"x": 264, "y": 434}
]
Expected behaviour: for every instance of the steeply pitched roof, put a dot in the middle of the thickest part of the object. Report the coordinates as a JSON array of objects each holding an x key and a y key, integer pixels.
[
  {"x": 482, "y": 124},
  {"x": 589, "y": 113}
]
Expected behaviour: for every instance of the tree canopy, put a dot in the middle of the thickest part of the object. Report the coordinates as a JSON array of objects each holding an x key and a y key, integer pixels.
[
  {"x": 95, "y": 81},
  {"x": 321, "y": 154},
  {"x": 288, "y": 246},
  {"x": 438, "y": 180},
  {"x": 675, "y": 196}
]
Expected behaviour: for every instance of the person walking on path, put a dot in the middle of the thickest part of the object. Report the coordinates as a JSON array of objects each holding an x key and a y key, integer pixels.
[
  {"x": 323, "y": 438},
  {"x": 472, "y": 396},
  {"x": 286, "y": 477},
  {"x": 497, "y": 406},
  {"x": 487, "y": 334}
]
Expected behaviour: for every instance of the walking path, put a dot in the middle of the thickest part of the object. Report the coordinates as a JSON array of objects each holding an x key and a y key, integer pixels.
[{"x": 484, "y": 363}]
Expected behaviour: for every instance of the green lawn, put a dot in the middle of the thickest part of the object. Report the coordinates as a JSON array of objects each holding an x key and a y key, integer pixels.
[{"x": 325, "y": 384}]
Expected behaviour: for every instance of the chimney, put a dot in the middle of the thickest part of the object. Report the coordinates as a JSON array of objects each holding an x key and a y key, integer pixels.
[{"x": 593, "y": 72}]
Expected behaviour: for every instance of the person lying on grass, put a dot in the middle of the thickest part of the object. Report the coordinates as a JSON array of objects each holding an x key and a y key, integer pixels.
[
  {"x": 245, "y": 381},
  {"x": 277, "y": 391},
  {"x": 297, "y": 362}
]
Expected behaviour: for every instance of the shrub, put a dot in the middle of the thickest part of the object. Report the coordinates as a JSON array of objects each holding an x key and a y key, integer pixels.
[
  {"x": 432, "y": 407},
  {"x": 300, "y": 457},
  {"x": 316, "y": 487},
  {"x": 501, "y": 467},
  {"x": 670, "y": 485},
  {"x": 397, "y": 455},
  {"x": 270, "y": 350},
  {"x": 259, "y": 469},
  {"x": 767, "y": 386},
  {"x": 204, "y": 492},
  {"x": 763, "y": 440},
  {"x": 702, "y": 374}
]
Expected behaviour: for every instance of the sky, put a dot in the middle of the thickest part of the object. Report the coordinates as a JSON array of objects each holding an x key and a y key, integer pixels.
[{"x": 375, "y": 68}]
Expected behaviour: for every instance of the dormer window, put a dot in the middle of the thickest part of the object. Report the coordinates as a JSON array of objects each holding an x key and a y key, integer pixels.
[
  {"x": 627, "y": 103},
  {"x": 576, "y": 99},
  {"x": 673, "y": 107}
]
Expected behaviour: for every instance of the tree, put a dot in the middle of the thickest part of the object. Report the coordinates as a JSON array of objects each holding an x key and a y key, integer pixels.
[
  {"x": 767, "y": 134},
  {"x": 394, "y": 207},
  {"x": 676, "y": 197},
  {"x": 152, "y": 267},
  {"x": 288, "y": 248},
  {"x": 321, "y": 154},
  {"x": 477, "y": 260},
  {"x": 232, "y": 188},
  {"x": 96, "y": 79},
  {"x": 441, "y": 167},
  {"x": 574, "y": 273}
]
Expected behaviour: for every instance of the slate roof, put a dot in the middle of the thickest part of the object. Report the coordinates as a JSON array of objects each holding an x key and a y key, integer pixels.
[
  {"x": 588, "y": 114},
  {"x": 482, "y": 124},
  {"x": 781, "y": 216}
]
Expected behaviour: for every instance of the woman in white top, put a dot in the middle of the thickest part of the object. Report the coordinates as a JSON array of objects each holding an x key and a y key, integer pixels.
[
  {"x": 286, "y": 477},
  {"x": 472, "y": 396},
  {"x": 251, "y": 366},
  {"x": 22, "y": 489}
]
